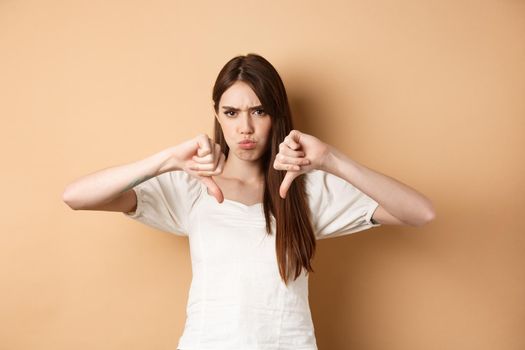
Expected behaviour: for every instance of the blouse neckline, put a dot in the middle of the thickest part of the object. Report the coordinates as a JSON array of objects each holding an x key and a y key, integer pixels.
[{"x": 205, "y": 190}]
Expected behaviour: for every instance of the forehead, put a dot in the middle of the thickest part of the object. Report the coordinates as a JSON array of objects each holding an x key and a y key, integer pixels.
[{"x": 240, "y": 95}]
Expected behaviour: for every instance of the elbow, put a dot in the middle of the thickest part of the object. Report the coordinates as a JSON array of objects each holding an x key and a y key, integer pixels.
[
  {"x": 428, "y": 215},
  {"x": 423, "y": 221},
  {"x": 68, "y": 198},
  {"x": 425, "y": 215},
  {"x": 431, "y": 212}
]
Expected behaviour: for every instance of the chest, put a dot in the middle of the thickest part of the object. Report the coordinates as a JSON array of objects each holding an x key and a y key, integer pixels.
[
  {"x": 229, "y": 231},
  {"x": 244, "y": 194}
]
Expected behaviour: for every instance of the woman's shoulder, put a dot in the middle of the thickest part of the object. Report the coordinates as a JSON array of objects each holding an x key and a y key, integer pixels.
[
  {"x": 181, "y": 176},
  {"x": 319, "y": 182},
  {"x": 316, "y": 177},
  {"x": 313, "y": 181},
  {"x": 179, "y": 181}
]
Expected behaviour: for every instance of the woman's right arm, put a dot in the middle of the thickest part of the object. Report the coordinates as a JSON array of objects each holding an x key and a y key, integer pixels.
[{"x": 111, "y": 189}]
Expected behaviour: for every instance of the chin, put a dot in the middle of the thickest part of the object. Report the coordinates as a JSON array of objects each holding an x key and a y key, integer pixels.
[{"x": 247, "y": 154}]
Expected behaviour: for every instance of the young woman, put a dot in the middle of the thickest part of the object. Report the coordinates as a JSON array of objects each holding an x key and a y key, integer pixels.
[{"x": 252, "y": 201}]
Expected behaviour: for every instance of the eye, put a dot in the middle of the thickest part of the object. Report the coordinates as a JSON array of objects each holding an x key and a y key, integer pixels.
[{"x": 259, "y": 112}]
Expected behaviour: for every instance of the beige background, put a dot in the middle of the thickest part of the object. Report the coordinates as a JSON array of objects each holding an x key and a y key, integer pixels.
[{"x": 428, "y": 92}]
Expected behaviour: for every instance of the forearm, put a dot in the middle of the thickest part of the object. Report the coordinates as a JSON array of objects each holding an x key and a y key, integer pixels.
[
  {"x": 105, "y": 185},
  {"x": 400, "y": 200}
]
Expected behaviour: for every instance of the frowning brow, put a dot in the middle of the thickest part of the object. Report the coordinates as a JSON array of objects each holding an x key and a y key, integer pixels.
[{"x": 237, "y": 109}]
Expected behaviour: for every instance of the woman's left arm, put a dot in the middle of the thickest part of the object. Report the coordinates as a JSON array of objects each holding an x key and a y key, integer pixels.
[{"x": 398, "y": 203}]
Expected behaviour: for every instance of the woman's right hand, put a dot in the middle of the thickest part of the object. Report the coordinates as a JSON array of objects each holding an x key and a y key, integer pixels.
[{"x": 202, "y": 158}]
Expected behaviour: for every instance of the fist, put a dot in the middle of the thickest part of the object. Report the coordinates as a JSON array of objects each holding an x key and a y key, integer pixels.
[
  {"x": 202, "y": 158},
  {"x": 299, "y": 153}
]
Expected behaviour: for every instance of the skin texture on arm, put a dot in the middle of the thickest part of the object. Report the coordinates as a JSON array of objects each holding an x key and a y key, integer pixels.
[
  {"x": 398, "y": 203},
  {"x": 126, "y": 202},
  {"x": 383, "y": 217},
  {"x": 110, "y": 189}
]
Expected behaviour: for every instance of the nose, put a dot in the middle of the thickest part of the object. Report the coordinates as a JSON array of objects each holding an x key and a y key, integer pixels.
[{"x": 245, "y": 123}]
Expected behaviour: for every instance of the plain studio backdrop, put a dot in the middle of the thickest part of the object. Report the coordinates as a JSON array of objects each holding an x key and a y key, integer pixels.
[{"x": 428, "y": 92}]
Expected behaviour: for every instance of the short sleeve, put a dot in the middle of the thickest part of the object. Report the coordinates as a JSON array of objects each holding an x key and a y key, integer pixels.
[
  {"x": 165, "y": 201},
  {"x": 336, "y": 206}
]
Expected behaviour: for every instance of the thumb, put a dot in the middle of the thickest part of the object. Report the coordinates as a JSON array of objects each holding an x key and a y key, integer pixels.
[
  {"x": 213, "y": 187},
  {"x": 204, "y": 146},
  {"x": 287, "y": 182},
  {"x": 295, "y": 136}
]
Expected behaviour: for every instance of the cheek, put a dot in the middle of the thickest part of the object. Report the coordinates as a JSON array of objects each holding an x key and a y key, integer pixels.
[
  {"x": 267, "y": 126},
  {"x": 269, "y": 130},
  {"x": 267, "y": 137},
  {"x": 227, "y": 131}
]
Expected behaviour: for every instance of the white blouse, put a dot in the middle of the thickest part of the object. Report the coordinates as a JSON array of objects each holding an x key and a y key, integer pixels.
[{"x": 237, "y": 299}]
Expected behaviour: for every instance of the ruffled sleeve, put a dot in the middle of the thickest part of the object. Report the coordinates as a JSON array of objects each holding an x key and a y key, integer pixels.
[
  {"x": 336, "y": 206},
  {"x": 165, "y": 201}
]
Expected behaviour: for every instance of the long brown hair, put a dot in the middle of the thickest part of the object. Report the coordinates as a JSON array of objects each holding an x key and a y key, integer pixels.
[{"x": 295, "y": 241}]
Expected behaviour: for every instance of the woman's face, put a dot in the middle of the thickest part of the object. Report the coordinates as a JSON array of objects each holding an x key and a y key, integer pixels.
[{"x": 242, "y": 117}]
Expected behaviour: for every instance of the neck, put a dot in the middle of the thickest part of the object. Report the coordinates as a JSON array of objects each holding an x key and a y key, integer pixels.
[{"x": 249, "y": 172}]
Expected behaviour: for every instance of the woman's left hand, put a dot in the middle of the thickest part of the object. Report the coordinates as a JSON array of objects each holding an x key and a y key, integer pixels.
[{"x": 299, "y": 153}]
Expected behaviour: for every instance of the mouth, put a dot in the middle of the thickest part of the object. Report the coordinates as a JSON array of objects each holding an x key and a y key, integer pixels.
[{"x": 247, "y": 144}]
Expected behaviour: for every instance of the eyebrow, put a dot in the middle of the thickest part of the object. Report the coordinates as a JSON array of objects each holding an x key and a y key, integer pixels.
[{"x": 237, "y": 109}]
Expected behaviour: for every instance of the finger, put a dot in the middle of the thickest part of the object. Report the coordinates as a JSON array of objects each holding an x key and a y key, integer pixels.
[
  {"x": 281, "y": 158},
  {"x": 287, "y": 182},
  {"x": 206, "y": 167},
  {"x": 214, "y": 189},
  {"x": 210, "y": 167},
  {"x": 217, "y": 170},
  {"x": 286, "y": 150},
  {"x": 203, "y": 160},
  {"x": 291, "y": 167},
  {"x": 204, "y": 145},
  {"x": 210, "y": 157},
  {"x": 211, "y": 172},
  {"x": 293, "y": 139}
]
